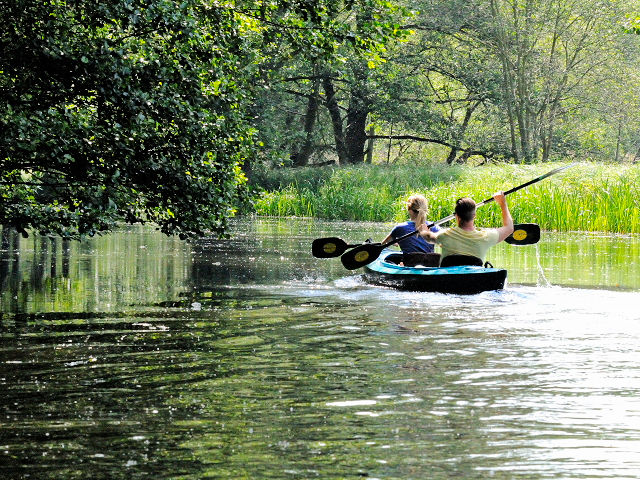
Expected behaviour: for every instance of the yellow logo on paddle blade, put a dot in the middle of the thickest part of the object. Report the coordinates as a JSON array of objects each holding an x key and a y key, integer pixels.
[
  {"x": 362, "y": 256},
  {"x": 329, "y": 247},
  {"x": 520, "y": 235}
]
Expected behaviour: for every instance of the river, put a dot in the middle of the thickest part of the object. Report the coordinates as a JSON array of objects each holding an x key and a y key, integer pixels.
[{"x": 136, "y": 355}]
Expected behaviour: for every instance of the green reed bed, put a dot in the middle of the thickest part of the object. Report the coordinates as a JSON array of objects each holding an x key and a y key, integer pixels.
[{"x": 586, "y": 197}]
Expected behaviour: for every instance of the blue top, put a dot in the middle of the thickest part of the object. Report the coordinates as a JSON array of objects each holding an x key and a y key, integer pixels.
[{"x": 414, "y": 243}]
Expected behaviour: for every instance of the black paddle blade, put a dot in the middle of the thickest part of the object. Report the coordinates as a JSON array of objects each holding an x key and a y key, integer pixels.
[
  {"x": 328, "y": 247},
  {"x": 361, "y": 256},
  {"x": 524, "y": 234}
]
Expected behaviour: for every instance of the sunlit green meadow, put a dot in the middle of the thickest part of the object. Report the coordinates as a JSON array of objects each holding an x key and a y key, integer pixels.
[{"x": 586, "y": 197}]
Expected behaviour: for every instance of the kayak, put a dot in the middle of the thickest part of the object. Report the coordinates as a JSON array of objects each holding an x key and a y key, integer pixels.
[{"x": 466, "y": 279}]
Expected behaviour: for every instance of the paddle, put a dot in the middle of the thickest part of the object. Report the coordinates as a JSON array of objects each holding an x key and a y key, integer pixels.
[
  {"x": 367, "y": 253},
  {"x": 329, "y": 247},
  {"x": 524, "y": 234}
]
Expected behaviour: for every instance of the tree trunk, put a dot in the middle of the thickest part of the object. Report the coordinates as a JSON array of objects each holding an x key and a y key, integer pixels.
[
  {"x": 522, "y": 107},
  {"x": 618, "y": 140},
  {"x": 336, "y": 119},
  {"x": 372, "y": 132},
  {"x": 453, "y": 153},
  {"x": 301, "y": 156},
  {"x": 523, "y": 26},
  {"x": 357, "y": 113},
  {"x": 507, "y": 79},
  {"x": 356, "y": 133},
  {"x": 636, "y": 157},
  {"x": 547, "y": 137}
]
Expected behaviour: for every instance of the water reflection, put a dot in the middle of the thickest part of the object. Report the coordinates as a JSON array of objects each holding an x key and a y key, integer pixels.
[{"x": 139, "y": 355}]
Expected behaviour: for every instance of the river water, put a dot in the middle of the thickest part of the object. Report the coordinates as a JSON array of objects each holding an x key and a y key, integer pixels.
[{"x": 136, "y": 355}]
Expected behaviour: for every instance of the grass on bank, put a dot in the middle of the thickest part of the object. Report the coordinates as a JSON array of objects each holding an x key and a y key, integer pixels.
[{"x": 586, "y": 197}]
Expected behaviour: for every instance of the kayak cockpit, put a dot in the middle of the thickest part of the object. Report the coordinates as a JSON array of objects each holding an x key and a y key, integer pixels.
[{"x": 387, "y": 270}]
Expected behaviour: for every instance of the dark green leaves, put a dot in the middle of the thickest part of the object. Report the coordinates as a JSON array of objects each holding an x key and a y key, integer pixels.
[{"x": 107, "y": 114}]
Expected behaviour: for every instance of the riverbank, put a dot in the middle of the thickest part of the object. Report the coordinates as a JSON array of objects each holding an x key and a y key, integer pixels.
[{"x": 592, "y": 197}]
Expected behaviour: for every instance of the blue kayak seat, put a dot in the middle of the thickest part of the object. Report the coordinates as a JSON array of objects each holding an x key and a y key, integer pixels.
[
  {"x": 458, "y": 260},
  {"x": 420, "y": 258}
]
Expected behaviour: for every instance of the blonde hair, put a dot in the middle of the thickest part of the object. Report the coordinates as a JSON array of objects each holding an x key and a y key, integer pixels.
[{"x": 419, "y": 205}]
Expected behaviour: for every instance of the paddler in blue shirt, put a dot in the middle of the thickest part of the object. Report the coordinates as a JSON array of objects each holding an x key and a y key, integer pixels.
[{"x": 416, "y": 251}]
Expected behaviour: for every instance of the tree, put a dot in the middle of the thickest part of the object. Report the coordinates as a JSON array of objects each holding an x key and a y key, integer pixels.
[
  {"x": 143, "y": 110},
  {"x": 116, "y": 111},
  {"x": 323, "y": 101},
  {"x": 507, "y": 78},
  {"x": 548, "y": 49}
]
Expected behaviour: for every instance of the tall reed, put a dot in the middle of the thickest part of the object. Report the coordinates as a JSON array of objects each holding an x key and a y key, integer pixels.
[{"x": 587, "y": 197}]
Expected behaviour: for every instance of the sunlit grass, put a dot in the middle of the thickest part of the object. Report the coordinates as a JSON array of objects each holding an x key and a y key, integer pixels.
[{"x": 586, "y": 197}]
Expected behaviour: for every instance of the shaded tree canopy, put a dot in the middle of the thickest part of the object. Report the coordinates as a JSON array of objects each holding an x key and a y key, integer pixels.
[
  {"x": 117, "y": 111},
  {"x": 139, "y": 110}
]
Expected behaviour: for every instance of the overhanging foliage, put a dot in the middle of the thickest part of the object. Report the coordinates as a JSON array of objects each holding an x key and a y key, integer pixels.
[
  {"x": 141, "y": 110},
  {"x": 115, "y": 111}
]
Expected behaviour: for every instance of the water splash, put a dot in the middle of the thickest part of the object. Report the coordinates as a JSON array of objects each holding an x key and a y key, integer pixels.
[{"x": 542, "y": 279}]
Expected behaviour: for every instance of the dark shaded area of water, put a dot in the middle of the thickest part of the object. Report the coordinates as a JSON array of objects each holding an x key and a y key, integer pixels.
[{"x": 140, "y": 356}]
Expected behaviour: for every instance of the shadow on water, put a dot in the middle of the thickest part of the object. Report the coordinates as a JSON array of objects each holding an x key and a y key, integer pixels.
[{"x": 137, "y": 355}]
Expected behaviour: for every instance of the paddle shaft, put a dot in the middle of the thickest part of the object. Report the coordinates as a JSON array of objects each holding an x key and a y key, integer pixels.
[
  {"x": 530, "y": 182},
  {"x": 484, "y": 202}
]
